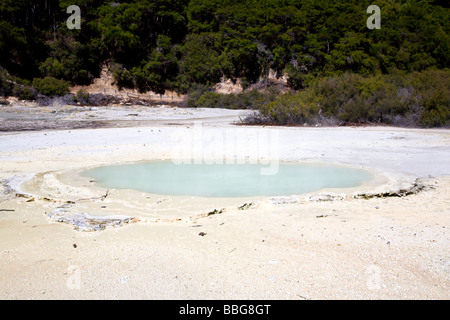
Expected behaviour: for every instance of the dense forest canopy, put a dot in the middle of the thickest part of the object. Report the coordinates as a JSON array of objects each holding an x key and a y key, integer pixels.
[
  {"x": 178, "y": 45},
  {"x": 172, "y": 44}
]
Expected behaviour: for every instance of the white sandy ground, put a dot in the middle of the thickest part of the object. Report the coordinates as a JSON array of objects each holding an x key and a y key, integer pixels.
[{"x": 278, "y": 248}]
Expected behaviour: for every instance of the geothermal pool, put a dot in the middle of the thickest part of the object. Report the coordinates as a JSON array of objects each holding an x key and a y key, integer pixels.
[{"x": 226, "y": 180}]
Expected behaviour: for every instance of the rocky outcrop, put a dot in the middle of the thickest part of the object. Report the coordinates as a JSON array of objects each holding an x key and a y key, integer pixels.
[{"x": 87, "y": 222}]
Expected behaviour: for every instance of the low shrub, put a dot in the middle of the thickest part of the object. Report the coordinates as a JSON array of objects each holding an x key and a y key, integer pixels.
[
  {"x": 202, "y": 97},
  {"x": 51, "y": 87},
  {"x": 292, "y": 109},
  {"x": 433, "y": 96},
  {"x": 24, "y": 92},
  {"x": 436, "y": 117},
  {"x": 81, "y": 96},
  {"x": 419, "y": 99}
]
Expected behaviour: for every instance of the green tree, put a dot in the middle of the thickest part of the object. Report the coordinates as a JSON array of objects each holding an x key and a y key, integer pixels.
[
  {"x": 201, "y": 58},
  {"x": 160, "y": 70}
]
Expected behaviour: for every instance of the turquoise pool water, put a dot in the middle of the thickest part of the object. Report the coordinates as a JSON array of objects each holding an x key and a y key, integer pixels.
[{"x": 225, "y": 180}]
